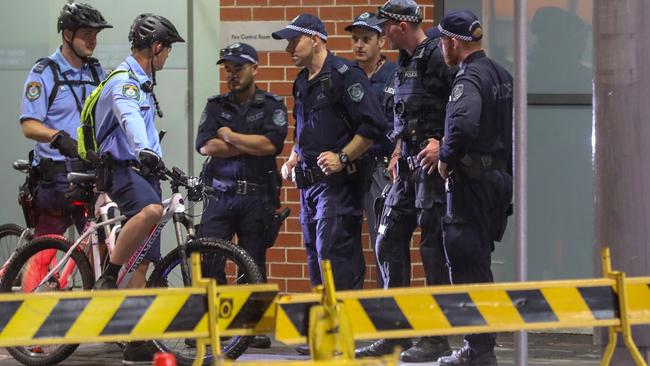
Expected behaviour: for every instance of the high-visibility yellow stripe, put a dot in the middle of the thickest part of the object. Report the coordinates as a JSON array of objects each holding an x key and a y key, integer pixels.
[
  {"x": 639, "y": 302},
  {"x": 568, "y": 304},
  {"x": 360, "y": 321},
  {"x": 422, "y": 311},
  {"x": 496, "y": 307},
  {"x": 159, "y": 315},
  {"x": 29, "y": 317}
]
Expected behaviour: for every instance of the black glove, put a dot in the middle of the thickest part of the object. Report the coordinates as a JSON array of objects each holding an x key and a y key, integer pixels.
[
  {"x": 66, "y": 145},
  {"x": 150, "y": 162},
  {"x": 78, "y": 193}
]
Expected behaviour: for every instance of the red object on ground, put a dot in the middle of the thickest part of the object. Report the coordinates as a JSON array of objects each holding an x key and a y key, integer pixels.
[{"x": 164, "y": 359}]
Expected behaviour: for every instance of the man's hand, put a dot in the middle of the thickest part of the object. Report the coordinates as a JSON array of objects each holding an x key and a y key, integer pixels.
[
  {"x": 428, "y": 157},
  {"x": 224, "y": 133},
  {"x": 150, "y": 162},
  {"x": 287, "y": 169},
  {"x": 392, "y": 166},
  {"x": 66, "y": 145},
  {"x": 442, "y": 169},
  {"x": 329, "y": 162}
]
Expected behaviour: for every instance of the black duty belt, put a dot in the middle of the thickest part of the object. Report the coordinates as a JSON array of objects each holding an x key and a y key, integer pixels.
[
  {"x": 239, "y": 187},
  {"x": 307, "y": 176},
  {"x": 49, "y": 168}
]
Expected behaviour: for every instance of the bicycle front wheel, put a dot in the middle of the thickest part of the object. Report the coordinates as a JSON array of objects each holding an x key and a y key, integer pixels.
[
  {"x": 238, "y": 265},
  {"x": 9, "y": 240},
  {"x": 25, "y": 272}
]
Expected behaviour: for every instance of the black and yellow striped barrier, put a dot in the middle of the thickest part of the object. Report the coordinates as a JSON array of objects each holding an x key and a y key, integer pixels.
[{"x": 614, "y": 302}]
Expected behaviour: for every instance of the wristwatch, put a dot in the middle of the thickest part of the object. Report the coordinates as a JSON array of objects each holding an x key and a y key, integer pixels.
[{"x": 343, "y": 158}]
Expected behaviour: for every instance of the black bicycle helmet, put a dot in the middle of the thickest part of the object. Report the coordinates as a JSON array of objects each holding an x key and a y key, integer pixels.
[
  {"x": 150, "y": 28},
  {"x": 78, "y": 15}
]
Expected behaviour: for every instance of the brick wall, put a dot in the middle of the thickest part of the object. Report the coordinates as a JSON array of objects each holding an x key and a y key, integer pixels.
[{"x": 287, "y": 261}]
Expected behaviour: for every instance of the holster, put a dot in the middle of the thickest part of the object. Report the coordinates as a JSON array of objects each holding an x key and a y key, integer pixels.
[{"x": 274, "y": 224}]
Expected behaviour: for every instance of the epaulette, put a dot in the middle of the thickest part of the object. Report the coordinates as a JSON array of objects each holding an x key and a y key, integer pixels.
[
  {"x": 274, "y": 96},
  {"x": 342, "y": 68},
  {"x": 92, "y": 61},
  {"x": 215, "y": 97},
  {"x": 41, "y": 64}
]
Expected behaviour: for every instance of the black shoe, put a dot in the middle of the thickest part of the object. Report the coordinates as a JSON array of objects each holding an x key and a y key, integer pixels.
[
  {"x": 465, "y": 357},
  {"x": 382, "y": 347},
  {"x": 303, "y": 349},
  {"x": 428, "y": 349},
  {"x": 139, "y": 353},
  {"x": 190, "y": 342},
  {"x": 105, "y": 283},
  {"x": 261, "y": 342}
]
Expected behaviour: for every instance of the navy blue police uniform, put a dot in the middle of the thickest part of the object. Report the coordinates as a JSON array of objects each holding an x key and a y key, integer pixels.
[
  {"x": 247, "y": 186},
  {"x": 478, "y": 151},
  {"x": 378, "y": 155},
  {"x": 330, "y": 109},
  {"x": 422, "y": 84}
]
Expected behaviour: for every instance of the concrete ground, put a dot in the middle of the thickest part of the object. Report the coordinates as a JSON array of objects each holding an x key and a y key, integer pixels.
[{"x": 544, "y": 349}]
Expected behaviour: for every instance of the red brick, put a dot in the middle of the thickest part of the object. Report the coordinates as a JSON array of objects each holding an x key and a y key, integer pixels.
[
  {"x": 288, "y": 101},
  {"x": 293, "y": 195},
  {"x": 417, "y": 272},
  {"x": 276, "y": 254},
  {"x": 286, "y": 270},
  {"x": 252, "y": 2},
  {"x": 377, "y": 3},
  {"x": 345, "y": 54},
  {"x": 298, "y": 285},
  {"x": 317, "y": 2},
  {"x": 297, "y": 256},
  {"x": 330, "y": 27},
  {"x": 289, "y": 240},
  {"x": 270, "y": 73},
  {"x": 292, "y": 225},
  {"x": 362, "y": 9},
  {"x": 223, "y": 88},
  {"x": 281, "y": 88},
  {"x": 227, "y": 3},
  {"x": 235, "y": 14},
  {"x": 336, "y": 13},
  {"x": 292, "y": 72},
  {"x": 352, "y": 2},
  {"x": 280, "y": 58},
  {"x": 262, "y": 58},
  {"x": 292, "y": 12},
  {"x": 268, "y": 14},
  {"x": 417, "y": 282},
  {"x": 339, "y": 43},
  {"x": 284, "y": 2},
  {"x": 281, "y": 282}
]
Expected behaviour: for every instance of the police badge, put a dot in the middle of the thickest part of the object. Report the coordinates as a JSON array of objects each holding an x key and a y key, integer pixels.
[
  {"x": 356, "y": 92},
  {"x": 33, "y": 91},
  {"x": 279, "y": 117},
  {"x": 457, "y": 92},
  {"x": 130, "y": 91}
]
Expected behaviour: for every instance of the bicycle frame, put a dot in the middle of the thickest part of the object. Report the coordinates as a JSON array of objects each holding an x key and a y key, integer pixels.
[
  {"x": 173, "y": 207},
  {"x": 27, "y": 233}
]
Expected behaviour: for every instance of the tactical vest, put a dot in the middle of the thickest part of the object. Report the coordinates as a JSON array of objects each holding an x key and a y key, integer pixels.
[
  {"x": 60, "y": 79},
  {"x": 417, "y": 115}
]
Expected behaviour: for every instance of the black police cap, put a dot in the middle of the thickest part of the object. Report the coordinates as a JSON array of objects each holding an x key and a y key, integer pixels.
[
  {"x": 239, "y": 53},
  {"x": 462, "y": 24},
  {"x": 362, "y": 20},
  {"x": 398, "y": 10}
]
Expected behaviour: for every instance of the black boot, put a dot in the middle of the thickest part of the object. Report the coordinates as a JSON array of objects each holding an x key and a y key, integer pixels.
[
  {"x": 139, "y": 353},
  {"x": 261, "y": 342},
  {"x": 428, "y": 349},
  {"x": 382, "y": 347},
  {"x": 303, "y": 349},
  {"x": 466, "y": 357}
]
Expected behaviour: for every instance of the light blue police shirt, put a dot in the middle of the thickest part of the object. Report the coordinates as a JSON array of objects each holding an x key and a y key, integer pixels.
[
  {"x": 124, "y": 102},
  {"x": 63, "y": 113}
]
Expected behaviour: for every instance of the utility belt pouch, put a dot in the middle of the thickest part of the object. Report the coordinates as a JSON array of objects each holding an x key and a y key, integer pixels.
[{"x": 103, "y": 173}]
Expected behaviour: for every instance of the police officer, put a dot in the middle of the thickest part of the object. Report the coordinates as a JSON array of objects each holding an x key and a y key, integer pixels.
[
  {"x": 367, "y": 43},
  {"x": 416, "y": 198},
  {"x": 54, "y": 94},
  {"x": 242, "y": 131},
  {"x": 476, "y": 159},
  {"x": 337, "y": 120},
  {"x": 127, "y": 137}
]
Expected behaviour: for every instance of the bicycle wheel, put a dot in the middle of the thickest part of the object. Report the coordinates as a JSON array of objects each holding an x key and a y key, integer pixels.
[
  {"x": 238, "y": 265},
  {"x": 9, "y": 240},
  {"x": 28, "y": 267}
]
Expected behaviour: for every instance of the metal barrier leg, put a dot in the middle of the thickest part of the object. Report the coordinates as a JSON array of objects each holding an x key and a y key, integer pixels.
[
  {"x": 330, "y": 330},
  {"x": 625, "y": 327},
  {"x": 213, "y": 328}
]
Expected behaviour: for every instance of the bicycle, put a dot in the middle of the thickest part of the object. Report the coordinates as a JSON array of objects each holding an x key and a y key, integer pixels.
[{"x": 76, "y": 266}]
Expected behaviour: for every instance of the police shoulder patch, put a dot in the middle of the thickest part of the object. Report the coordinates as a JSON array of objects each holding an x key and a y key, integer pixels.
[
  {"x": 33, "y": 91},
  {"x": 279, "y": 117},
  {"x": 356, "y": 92},
  {"x": 131, "y": 91},
  {"x": 457, "y": 92}
]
